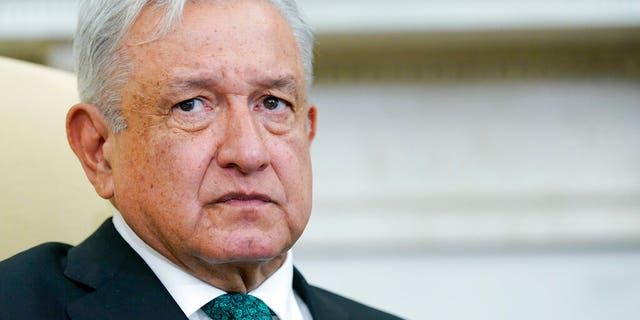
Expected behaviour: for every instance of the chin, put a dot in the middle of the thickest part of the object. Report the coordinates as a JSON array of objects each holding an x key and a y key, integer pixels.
[
  {"x": 246, "y": 248},
  {"x": 252, "y": 250}
]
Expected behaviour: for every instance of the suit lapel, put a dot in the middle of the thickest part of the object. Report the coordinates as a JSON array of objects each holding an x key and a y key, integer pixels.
[
  {"x": 121, "y": 285},
  {"x": 319, "y": 305}
]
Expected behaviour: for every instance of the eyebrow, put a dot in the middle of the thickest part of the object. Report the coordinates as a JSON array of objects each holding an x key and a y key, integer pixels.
[
  {"x": 189, "y": 83},
  {"x": 287, "y": 83}
]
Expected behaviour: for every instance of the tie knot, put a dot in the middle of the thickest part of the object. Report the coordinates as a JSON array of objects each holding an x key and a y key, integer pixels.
[{"x": 237, "y": 306}]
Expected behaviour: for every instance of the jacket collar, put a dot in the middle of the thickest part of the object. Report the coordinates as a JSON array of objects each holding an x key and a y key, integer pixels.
[
  {"x": 121, "y": 285},
  {"x": 318, "y": 301}
]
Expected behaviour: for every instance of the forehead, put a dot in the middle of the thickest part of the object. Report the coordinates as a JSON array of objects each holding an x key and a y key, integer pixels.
[{"x": 216, "y": 38}]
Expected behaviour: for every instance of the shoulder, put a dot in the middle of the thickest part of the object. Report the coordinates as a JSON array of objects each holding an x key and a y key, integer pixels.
[
  {"x": 35, "y": 276},
  {"x": 46, "y": 258},
  {"x": 356, "y": 309}
]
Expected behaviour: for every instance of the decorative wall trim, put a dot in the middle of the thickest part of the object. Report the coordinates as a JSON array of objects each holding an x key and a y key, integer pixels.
[{"x": 428, "y": 57}]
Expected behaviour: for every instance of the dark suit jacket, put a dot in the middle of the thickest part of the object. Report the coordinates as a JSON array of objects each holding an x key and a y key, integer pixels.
[{"x": 103, "y": 278}]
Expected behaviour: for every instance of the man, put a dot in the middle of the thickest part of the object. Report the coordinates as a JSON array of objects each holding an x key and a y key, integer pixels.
[{"x": 195, "y": 124}]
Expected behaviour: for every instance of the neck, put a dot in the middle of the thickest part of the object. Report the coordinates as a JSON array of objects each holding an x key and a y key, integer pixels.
[{"x": 236, "y": 277}]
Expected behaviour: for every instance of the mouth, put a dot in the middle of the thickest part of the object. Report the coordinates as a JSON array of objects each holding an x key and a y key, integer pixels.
[{"x": 244, "y": 199}]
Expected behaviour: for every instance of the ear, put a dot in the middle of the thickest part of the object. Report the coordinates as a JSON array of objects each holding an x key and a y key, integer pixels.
[
  {"x": 311, "y": 122},
  {"x": 89, "y": 136}
]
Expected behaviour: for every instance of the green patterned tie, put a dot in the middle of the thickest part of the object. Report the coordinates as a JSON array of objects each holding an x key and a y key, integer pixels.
[{"x": 237, "y": 306}]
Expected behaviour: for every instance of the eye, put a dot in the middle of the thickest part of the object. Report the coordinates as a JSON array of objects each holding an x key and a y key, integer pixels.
[
  {"x": 274, "y": 103},
  {"x": 192, "y": 114},
  {"x": 191, "y": 105}
]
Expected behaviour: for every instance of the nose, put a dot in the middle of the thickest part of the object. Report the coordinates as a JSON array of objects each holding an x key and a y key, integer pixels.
[{"x": 242, "y": 147}]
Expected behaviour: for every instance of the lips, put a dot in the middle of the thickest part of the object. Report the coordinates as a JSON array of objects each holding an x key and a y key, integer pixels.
[{"x": 238, "y": 197}]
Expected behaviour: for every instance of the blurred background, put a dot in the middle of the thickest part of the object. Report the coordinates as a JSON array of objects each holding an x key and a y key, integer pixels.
[{"x": 474, "y": 159}]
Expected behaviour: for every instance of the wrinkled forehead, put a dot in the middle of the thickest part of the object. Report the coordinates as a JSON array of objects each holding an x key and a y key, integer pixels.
[
  {"x": 161, "y": 16},
  {"x": 218, "y": 22},
  {"x": 233, "y": 40}
]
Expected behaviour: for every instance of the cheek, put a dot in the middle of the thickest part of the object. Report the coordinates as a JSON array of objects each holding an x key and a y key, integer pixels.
[
  {"x": 179, "y": 165},
  {"x": 293, "y": 167},
  {"x": 164, "y": 172}
]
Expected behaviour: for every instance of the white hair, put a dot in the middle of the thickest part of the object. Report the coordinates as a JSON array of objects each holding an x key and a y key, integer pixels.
[{"x": 102, "y": 66}]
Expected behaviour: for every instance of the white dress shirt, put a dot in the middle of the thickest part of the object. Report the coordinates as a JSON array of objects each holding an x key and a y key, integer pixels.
[{"x": 191, "y": 293}]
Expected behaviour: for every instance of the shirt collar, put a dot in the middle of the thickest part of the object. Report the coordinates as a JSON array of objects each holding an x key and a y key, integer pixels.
[{"x": 191, "y": 293}]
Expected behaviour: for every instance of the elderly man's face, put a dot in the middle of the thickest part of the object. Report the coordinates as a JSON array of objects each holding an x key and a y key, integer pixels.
[{"x": 214, "y": 163}]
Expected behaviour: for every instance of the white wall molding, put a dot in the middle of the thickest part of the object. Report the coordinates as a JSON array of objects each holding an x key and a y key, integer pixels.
[
  {"x": 56, "y": 19},
  {"x": 372, "y": 16},
  {"x": 521, "y": 163},
  {"x": 37, "y": 20},
  {"x": 390, "y": 224}
]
